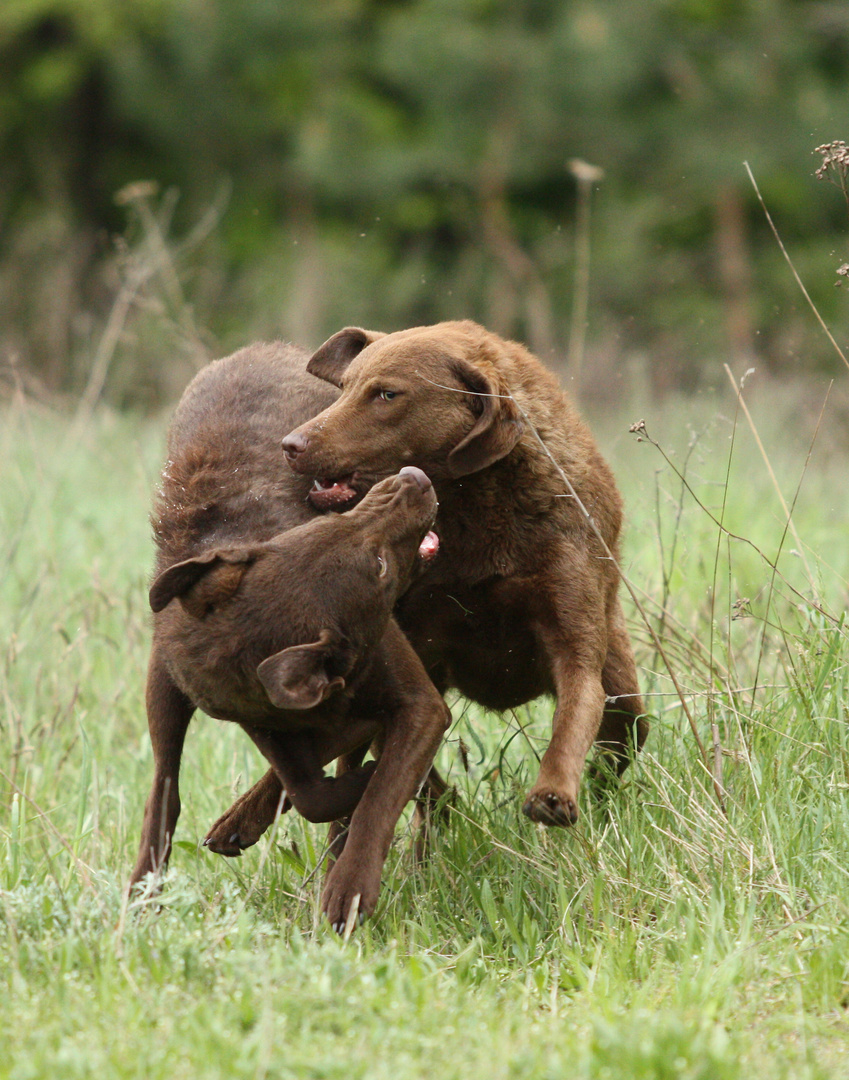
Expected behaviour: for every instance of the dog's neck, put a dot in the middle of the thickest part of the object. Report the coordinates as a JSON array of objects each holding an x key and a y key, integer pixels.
[{"x": 475, "y": 526}]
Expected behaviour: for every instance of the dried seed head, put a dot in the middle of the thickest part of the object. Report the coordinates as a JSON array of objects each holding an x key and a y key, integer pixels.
[
  {"x": 741, "y": 608},
  {"x": 584, "y": 172},
  {"x": 835, "y": 156}
]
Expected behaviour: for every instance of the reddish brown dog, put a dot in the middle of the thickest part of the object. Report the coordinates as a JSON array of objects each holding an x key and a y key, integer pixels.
[
  {"x": 522, "y": 598},
  {"x": 279, "y": 620}
]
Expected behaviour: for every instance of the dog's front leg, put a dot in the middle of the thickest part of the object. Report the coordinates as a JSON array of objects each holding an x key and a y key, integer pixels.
[
  {"x": 624, "y": 727},
  {"x": 168, "y": 715},
  {"x": 248, "y": 818},
  {"x": 254, "y": 811},
  {"x": 416, "y": 720},
  {"x": 298, "y": 761}
]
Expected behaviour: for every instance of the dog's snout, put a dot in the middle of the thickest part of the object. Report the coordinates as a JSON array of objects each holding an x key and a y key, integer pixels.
[
  {"x": 293, "y": 444},
  {"x": 416, "y": 474}
]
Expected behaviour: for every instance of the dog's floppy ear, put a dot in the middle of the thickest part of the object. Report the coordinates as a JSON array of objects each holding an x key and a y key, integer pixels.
[
  {"x": 331, "y": 359},
  {"x": 303, "y": 676},
  {"x": 498, "y": 427},
  {"x": 201, "y": 583}
]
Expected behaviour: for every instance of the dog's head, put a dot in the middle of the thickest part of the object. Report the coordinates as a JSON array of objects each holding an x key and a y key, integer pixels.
[
  {"x": 301, "y": 611},
  {"x": 434, "y": 396}
]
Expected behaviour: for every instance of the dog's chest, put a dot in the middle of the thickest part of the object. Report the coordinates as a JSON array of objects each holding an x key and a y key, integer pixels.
[{"x": 480, "y": 639}]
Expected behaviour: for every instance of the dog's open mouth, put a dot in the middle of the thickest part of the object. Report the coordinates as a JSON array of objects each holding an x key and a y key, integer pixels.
[
  {"x": 326, "y": 493},
  {"x": 429, "y": 546},
  {"x": 340, "y": 494}
]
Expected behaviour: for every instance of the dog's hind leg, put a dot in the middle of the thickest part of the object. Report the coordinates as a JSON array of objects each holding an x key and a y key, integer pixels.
[
  {"x": 624, "y": 728},
  {"x": 337, "y": 834},
  {"x": 572, "y": 627},
  {"x": 168, "y": 714},
  {"x": 428, "y": 810}
]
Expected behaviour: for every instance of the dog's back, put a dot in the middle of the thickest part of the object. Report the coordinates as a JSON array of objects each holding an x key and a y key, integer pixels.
[{"x": 225, "y": 480}]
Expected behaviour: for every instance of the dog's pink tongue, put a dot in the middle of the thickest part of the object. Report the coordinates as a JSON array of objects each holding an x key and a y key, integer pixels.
[{"x": 429, "y": 546}]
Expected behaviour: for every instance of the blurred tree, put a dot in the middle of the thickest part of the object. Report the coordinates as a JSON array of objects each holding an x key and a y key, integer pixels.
[{"x": 389, "y": 162}]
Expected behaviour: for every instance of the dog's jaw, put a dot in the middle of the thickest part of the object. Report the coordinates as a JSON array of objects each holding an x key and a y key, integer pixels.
[{"x": 330, "y": 494}]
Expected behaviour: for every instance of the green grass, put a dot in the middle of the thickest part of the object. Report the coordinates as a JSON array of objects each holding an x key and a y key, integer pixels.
[{"x": 659, "y": 938}]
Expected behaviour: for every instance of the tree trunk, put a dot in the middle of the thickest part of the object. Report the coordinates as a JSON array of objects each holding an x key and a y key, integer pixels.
[{"x": 735, "y": 272}]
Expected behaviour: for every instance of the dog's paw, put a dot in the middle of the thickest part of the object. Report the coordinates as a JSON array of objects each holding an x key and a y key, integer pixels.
[
  {"x": 231, "y": 846},
  {"x": 549, "y": 808},
  {"x": 349, "y": 898},
  {"x": 242, "y": 825}
]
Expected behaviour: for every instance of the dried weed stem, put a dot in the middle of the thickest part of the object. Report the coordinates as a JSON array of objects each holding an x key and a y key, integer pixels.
[{"x": 805, "y": 293}]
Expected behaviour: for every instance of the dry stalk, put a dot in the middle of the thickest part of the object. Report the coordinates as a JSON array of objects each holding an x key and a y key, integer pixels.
[
  {"x": 711, "y": 704},
  {"x": 805, "y": 293},
  {"x": 787, "y": 513},
  {"x": 788, "y": 523},
  {"x": 45, "y": 817},
  {"x": 153, "y": 258},
  {"x": 640, "y": 427},
  {"x": 586, "y": 175}
]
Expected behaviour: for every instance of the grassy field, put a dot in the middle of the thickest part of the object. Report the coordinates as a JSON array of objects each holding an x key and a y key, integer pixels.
[{"x": 672, "y": 933}]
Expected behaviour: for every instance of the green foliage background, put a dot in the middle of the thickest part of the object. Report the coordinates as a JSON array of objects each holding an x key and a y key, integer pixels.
[{"x": 391, "y": 162}]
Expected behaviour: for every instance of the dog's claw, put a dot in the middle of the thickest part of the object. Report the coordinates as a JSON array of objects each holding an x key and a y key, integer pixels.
[
  {"x": 232, "y": 849},
  {"x": 355, "y": 918}
]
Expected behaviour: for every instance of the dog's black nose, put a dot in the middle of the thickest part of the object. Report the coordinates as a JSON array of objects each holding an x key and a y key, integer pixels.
[
  {"x": 294, "y": 444},
  {"x": 420, "y": 478}
]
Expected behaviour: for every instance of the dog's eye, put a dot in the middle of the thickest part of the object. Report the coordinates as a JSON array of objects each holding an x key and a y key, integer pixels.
[
  {"x": 381, "y": 566},
  {"x": 387, "y": 395}
]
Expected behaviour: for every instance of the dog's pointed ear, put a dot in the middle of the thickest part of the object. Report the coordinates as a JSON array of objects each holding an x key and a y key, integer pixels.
[
  {"x": 303, "y": 676},
  {"x": 202, "y": 583},
  {"x": 498, "y": 426},
  {"x": 330, "y": 360}
]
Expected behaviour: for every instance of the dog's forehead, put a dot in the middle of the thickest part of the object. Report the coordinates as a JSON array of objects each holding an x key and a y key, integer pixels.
[{"x": 406, "y": 354}]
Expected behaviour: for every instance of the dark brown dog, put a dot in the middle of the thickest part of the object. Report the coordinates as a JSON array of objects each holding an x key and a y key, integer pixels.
[
  {"x": 281, "y": 621},
  {"x": 522, "y": 597}
]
